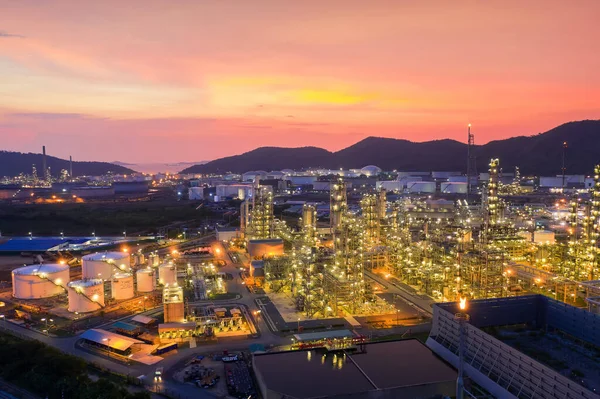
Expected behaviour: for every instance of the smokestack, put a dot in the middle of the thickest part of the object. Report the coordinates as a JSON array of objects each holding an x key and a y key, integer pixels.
[
  {"x": 70, "y": 166},
  {"x": 44, "y": 170}
]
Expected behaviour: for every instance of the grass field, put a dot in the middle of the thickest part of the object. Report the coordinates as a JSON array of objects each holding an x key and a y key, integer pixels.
[{"x": 102, "y": 218}]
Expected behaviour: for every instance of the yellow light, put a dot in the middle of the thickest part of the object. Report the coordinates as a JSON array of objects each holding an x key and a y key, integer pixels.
[{"x": 463, "y": 303}]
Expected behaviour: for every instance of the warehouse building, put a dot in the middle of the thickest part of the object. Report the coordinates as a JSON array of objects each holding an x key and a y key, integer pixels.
[{"x": 397, "y": 369}]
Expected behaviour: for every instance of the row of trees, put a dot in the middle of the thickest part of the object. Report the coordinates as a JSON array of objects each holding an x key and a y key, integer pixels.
[{"x": 52, "y": 374}]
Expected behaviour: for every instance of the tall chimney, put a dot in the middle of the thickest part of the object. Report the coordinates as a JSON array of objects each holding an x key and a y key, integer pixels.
[
  {"x": 44, "y": 169},
  {"x": 70, "y": 166}
]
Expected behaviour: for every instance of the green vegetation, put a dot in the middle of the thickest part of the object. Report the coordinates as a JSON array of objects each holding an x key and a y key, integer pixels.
[
  {"x": 103, "y": 218},
  {"x": 53, "y": 374}
]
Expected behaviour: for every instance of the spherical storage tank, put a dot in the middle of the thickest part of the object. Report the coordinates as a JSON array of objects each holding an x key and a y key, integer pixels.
[
  {"x": 39, "y": 281},
  {"x": 167, "y": 275},
  {"x": 121, "y": 286},
  {"x": 86, "y": 295},
  {"x": 102, "y": 264},
  {"x": 145, "y": 280}
]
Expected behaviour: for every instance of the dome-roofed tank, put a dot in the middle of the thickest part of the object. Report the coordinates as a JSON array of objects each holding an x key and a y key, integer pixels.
[
  {"x": 146, "y": 281},
  {"x": 370, "y": 170},
  {"x": 40, "y": 281},
  {"x": 86, "y": 295},
  {"x": 104, "y": 264},
  {"x": 122, "y": 286}
]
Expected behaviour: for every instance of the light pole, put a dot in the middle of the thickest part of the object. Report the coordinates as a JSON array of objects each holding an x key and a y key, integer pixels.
[
  {"x": 463, "y": 319},
  {"x": 107, "y": 340},
  {"x": 47, "y": 320},
  {"x": 145, "y": 297},
  {"x": 3, "y": 317},
  {"x": 298, "y": 325}
]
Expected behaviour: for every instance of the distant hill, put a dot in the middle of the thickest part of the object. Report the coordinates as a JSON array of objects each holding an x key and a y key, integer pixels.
[
  {"x": 537, "y": 154},
  {"x": 13, "y": 163},
  {"x": 157, "y": 167}
]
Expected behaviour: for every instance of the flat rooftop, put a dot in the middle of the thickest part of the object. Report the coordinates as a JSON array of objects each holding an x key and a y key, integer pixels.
[{"x": 316, "y": 373}]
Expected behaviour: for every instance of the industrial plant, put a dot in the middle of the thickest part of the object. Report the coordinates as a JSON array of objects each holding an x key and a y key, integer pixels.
[{"x": 304, "y": 260}]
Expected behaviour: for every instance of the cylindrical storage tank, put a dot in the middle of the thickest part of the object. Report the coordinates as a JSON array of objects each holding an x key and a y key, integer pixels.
[
  {"x": 153, "y": 260},
  {"x": 104, "y": 264},
  {"x": 121, "y": 286},
  {"x": 167, "y": 275},
  {"x": 40, "y": 281},
  {"x": 145, "y": 280},
  {"x": 86, "y": 295}
]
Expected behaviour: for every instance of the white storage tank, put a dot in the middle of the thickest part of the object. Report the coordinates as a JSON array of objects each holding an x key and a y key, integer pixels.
[
  {"x": 121, "y": 286},
  {"x": 167, "y": 274},
  {"x": 453, "y": 188},
  {"x": 145, "y": 280},
  {"x": 420, "y": 186},
  {"x": 40, "y": 281},
  {"x": 543, "y": 237},
  {"x": 153, "y": 260},
  {"x": 104, "y": 264},
  {"x": 86, "y": 295}
]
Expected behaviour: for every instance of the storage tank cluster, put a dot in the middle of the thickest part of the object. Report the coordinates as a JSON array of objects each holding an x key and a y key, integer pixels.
[
  {"x": 104, "y": 264},
  {"x": 86, "y": 295},
  {"x": 40, "y": 281}
]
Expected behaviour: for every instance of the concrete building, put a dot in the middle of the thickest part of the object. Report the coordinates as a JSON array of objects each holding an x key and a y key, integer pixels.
[
  {"x": 501, "y": 369},
  {"x": 397, "y": 369},
  {"x": 227, "y": 233}
]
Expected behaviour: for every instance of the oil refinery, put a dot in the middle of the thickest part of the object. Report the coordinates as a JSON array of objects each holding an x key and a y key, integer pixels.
[{"x": 313, "y": 262}]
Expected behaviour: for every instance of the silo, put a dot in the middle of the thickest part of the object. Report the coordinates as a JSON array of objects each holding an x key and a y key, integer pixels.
[
  {"x": 145, "y": 280},
  {"x": 167, "y": 274},
  {"x": 86, "y": 295},
  {"x": 122, "y": 286},
  {"x": 40, "y": 281},
  {"x": 104, "y": 264}
]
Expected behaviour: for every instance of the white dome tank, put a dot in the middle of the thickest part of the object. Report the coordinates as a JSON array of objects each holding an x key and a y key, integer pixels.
[
  {"x": 167, "y": 275},
  {"x": 104, "y": 264},
  {"x": 40, "y": 281},
  {"x": 145, "y": 280},
  {"x": 122, "y": 286},
  {"x": 86, "y": 295}
]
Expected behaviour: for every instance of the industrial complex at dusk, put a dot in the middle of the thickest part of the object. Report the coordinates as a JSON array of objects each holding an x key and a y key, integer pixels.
[
  {"x": 299, "y": 200},
  {"x": 486, "y": 280}
]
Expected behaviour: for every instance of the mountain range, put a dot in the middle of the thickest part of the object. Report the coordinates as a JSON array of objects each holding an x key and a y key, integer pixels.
[
  {"x": 14, "y": 163},
  {"x": 537, "y": 154}
]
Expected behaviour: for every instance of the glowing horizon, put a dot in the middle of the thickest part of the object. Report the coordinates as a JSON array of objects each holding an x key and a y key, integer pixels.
[{"x": 156, "y": 82}]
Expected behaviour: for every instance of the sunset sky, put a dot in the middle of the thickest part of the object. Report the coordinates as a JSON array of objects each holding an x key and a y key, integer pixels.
[{"x": 163, "y": 81}]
